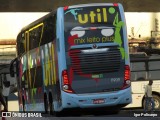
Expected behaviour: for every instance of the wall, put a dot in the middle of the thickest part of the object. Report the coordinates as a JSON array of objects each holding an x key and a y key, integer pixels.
[
  {"x": 140, "y": 23},
  {"x": 11, "y": 23}
]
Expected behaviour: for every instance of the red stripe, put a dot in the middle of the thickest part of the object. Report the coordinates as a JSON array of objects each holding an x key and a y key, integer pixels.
[{"x": 71, "y": 40}]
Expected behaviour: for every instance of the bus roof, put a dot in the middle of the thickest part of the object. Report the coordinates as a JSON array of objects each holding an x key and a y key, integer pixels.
[
  {"x": 37, "y": 21},
  {"x": 94, "y": 4}
]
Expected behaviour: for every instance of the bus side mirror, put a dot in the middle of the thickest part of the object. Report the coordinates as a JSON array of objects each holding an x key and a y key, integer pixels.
[{"x": 12, "y": 68}]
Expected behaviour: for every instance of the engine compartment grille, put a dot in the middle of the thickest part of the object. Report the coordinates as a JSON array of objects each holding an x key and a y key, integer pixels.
[{"x": 95, "y": 62}]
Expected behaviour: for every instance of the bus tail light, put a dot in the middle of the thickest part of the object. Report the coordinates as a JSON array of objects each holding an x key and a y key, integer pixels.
[
  {"x": 127, "y": 72},
  {"x": 66, "y": 83},
  {"x": 127, "y": 81},
  {"x": 115, "y": 4},
  {"x": 65, "y": 8}
]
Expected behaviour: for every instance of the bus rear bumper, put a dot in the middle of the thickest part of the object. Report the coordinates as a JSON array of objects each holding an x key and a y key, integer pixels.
[{"x": 122, "y": 97}]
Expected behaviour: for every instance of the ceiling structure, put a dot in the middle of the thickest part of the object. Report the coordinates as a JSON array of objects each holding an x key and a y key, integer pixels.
[
  {"x": 7, "y": 51},
  {"x": 48, "y": 5}
]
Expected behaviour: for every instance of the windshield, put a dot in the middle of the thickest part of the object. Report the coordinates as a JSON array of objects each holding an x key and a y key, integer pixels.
[
  {"x": 93, "y": 43},
  {"x": 88, "y": 25}
]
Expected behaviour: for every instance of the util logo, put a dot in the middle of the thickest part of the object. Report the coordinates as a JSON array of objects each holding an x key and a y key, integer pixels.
[{"x": 100, "y": 15}]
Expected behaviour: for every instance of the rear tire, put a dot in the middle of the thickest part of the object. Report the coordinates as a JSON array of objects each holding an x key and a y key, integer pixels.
[
  {"x": 23, "y": 104},
  {"x": 51, "y": 106},
  {"x": 156, "y": 101},
  {"x": 45, "y": 103},
  {"x": 51, "y": 111}
]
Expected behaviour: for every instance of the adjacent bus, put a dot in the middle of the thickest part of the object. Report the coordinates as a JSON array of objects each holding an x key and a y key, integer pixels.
[
  {"x": 75, "y": 57},
  {"x": 143, "y": 69}
]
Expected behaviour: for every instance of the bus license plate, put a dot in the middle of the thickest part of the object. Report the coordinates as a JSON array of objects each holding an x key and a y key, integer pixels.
[{"x": 98, "y": 101}]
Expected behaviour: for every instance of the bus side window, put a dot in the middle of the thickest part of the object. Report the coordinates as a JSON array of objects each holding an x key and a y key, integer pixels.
[
  {"x": 141, "y": 79},
  {"x": 154, "y": 70},
  {"x": 21, "y": 43},
  {"x": 0, "y": 81},
  {"x": 49, "y": 30},
  {"x": 34, "y": 37},
  {"x": 138, "y": 71}
]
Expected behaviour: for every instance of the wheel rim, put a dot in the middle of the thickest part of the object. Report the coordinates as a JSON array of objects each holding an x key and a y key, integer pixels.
[{"x": 156, "y": 103}]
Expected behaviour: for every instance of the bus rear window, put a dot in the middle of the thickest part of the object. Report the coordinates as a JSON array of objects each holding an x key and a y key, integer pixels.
[{"x": 87, "y": 25}]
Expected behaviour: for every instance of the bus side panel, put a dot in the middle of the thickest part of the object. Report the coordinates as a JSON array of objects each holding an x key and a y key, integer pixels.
[
  {"x": 60, "y": 45},
  {"x": 127, "y": 59},
  {"x": 38, "y": 74}
]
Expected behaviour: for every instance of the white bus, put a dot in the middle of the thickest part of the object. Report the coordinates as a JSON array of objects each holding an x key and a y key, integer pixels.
[{"x": 143, "y": 69}]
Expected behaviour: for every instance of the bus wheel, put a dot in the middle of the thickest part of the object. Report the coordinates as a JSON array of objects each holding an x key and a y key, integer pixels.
[
  {"x": 51, "y": 104},
  {"x": 157, "y": 102},
  {"x": 23, "y": 104},
  {"x": 45, "y": 103}
]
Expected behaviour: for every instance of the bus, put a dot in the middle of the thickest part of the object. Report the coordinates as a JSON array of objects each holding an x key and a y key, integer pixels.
[
  {"x": 143, "y": 69},
  {"x": 74, "y": 57}
]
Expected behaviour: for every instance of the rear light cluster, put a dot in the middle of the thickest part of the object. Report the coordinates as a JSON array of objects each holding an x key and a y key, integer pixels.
[
  {"x": 66, "y": 83},
  {"x": 65, "y": 8},
  {"x": 127, "y": 81},
  {"x": 115, "y": 4}
]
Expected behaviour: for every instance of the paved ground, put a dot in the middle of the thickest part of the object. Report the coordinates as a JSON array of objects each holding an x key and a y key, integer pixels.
[{"x": 124, "y": 114}]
